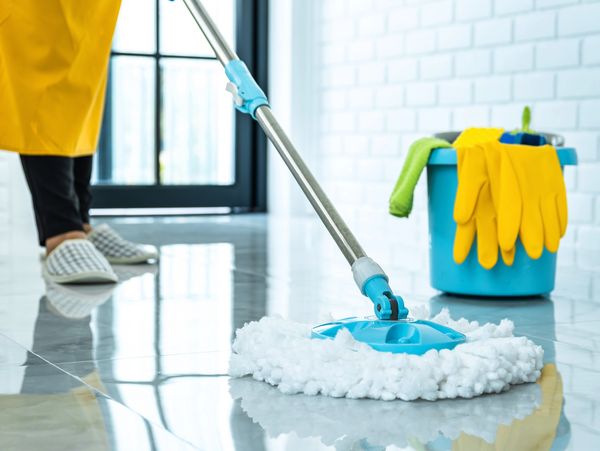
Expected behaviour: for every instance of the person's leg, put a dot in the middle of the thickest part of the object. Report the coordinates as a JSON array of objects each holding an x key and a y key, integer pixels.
[
  {"x": 82, "y": 174},
  {"x": 50, "y": 180},
  {"x": 105, "y": 239}
]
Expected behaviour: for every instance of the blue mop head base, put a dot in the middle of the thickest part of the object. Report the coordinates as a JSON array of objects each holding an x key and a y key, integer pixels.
[{"x": 400, "y": 336}]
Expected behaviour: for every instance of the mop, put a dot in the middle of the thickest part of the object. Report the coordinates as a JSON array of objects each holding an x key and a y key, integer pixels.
[{"x": 388, "y": 356}]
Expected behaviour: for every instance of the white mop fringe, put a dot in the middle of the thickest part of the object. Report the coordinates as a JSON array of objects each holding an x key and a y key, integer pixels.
[{"x": 281, "y": 353}]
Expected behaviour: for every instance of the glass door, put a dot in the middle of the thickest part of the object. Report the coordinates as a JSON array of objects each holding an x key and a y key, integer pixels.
[{"x": 171, "y": 137}]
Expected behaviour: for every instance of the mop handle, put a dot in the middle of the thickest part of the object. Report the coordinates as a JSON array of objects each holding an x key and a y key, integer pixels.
[
  {"x": 250, "y": 99},
  {"x": 334, "y": 223}
]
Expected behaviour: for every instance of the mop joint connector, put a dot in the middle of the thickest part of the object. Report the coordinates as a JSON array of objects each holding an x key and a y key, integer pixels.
[
  {"x": 373, "y": 283},
  {"x": 247, "y": 95}
]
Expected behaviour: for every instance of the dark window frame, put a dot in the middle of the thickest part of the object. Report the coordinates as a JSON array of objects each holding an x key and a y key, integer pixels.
[{"x": 248, "y": 193}]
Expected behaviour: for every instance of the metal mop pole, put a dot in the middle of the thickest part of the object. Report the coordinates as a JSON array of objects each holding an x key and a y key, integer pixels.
[{"x": 364, "y": 268}]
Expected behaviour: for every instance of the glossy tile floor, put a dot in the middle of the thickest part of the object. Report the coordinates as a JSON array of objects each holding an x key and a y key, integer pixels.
[{"x": 142, "y": 365}]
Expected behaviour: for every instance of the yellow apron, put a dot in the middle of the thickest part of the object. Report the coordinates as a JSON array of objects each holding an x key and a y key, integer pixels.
[{"x": 53, "y": 71}]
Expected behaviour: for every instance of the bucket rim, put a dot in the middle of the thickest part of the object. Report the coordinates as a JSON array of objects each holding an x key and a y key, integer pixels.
[{"x": 447, "y": 157}]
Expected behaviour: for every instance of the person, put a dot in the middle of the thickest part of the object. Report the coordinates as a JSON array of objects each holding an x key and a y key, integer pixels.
[{"x": 53, "y": 73}]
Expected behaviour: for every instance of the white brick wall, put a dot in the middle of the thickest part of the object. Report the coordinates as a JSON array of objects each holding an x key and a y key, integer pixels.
[{"x": 402, "y": 69}]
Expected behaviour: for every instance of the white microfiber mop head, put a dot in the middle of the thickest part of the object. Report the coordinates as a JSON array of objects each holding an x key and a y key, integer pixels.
[{"x": 281, "y": 353}]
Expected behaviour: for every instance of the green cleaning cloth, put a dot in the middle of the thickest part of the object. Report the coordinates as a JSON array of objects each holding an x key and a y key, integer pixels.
[{"x": 401, "y": 200}]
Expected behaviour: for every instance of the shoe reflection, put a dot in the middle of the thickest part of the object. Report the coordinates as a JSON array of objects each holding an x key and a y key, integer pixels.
[
  {"x": 54, "y": 410},
  {"x": 74, "y": 301}
]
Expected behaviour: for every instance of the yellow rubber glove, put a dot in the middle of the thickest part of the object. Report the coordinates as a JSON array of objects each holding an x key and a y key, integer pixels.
[
  {"x": 474, "y": 211},
  {"x": 541, "y": 220},
  {"x": 501, "y": 174}
]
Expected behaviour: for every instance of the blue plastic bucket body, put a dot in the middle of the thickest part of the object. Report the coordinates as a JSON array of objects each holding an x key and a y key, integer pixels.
[{"x": 526, "y": 277}]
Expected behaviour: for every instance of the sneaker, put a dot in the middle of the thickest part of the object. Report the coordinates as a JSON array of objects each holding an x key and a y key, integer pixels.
[
  {"x": 77, "y": 261},
  {"x": 118, "y": 250}
]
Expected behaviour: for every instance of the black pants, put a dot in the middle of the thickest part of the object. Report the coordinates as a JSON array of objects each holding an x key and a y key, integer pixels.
[{"x": 60, "y": 190}]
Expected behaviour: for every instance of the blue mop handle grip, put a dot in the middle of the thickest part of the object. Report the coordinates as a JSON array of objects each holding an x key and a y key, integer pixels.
[
  {"x": 248, "y": 95},
  {"x": 373, "y": 283}
]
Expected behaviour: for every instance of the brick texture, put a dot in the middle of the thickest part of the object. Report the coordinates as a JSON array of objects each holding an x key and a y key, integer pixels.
[{"x": 423, "y": 66}]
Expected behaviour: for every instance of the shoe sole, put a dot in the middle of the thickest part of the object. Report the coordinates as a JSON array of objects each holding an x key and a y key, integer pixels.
[
  {"x": 131, "y": 260},
  {"x": 119, "y": 261},
  {"x": 83, "y": 278}
]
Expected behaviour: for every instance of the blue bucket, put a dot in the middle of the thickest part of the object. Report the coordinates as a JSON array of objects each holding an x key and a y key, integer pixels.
[{"x": 526, "y": 277}]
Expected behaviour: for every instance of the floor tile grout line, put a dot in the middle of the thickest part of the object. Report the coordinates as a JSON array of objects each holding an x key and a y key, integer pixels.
[
  {"x": 62, "y": 365},
  {"x": 102, "y": 393},
  {"x": 147, "y": 356},
  {"x": 43, "y": 359}
]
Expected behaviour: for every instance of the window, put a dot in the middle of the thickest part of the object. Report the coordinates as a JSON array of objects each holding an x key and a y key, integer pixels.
[{"x": 171, "y": 137}]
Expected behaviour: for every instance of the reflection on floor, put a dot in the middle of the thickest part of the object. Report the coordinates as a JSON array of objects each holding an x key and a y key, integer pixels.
[{"x": 142, "y": 365}]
